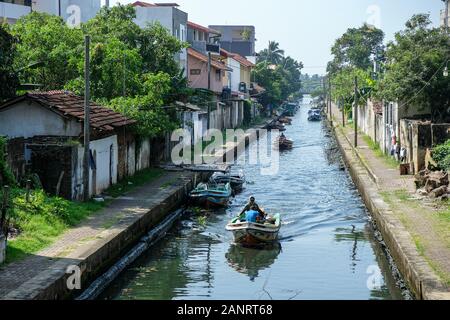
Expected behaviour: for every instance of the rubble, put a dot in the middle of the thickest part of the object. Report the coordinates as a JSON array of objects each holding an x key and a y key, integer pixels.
[{"x": 434, "y": 184}]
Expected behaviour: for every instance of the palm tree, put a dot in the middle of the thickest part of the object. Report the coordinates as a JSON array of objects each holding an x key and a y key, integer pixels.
[{"x": 273, "y": 54}]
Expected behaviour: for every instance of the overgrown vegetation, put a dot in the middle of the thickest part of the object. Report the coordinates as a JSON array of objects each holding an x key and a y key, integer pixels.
[
  {"x": 39, "y": 222},
  {"x": 441, "y": 155},
  {"x": 375, "y": 147}
]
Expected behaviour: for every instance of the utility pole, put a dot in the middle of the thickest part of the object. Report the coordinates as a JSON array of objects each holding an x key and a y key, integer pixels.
[
  {"x": 209, "y": 88},
  {"x": 124, "y": 86},
  {"x": 342, "y": 105},
  {"x": 330, "y": 100},
  {"x": 446, "y": 16},
  {"x": 324, "y": 92},
  {"x": 355, "y": 116},
  {"x": 87, "y": 152}
]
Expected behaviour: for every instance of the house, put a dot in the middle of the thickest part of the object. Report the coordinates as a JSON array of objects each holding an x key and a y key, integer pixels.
[
  {"x": 198, "y": 72},
  {"x": 239, "y": 79},
  {"x": 443, "y": 18},
  {"x": 396, "y": 125},
  {"x": 73, "y": 12},
  {"x": 170, "y": 17},
  {"x": 45, "y": 136},
  {"x": 199, "y": 37},
  {"x": 238, "y": 39}
]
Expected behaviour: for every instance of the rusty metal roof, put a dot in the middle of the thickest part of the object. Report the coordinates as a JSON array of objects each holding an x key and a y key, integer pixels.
[{"x": 68, "y": 104}]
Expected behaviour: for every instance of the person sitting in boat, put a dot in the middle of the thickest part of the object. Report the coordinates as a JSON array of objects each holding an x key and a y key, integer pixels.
[
  {"x": 249, "y": 206},
  {"x": 253, "y": 215}
]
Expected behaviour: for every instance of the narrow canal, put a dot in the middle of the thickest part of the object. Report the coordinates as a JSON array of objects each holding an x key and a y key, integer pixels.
[{"x": 327, "y": 248}]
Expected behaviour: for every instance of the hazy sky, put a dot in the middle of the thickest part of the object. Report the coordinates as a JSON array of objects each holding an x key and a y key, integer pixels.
[{"x": 306, "y": 29}]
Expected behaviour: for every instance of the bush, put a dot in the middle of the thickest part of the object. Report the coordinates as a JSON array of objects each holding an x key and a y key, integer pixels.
[{"x": 441, "y": 154}]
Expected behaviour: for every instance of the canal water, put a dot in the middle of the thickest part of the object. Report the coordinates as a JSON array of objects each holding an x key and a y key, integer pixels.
[{"x": 327, "y": 247}]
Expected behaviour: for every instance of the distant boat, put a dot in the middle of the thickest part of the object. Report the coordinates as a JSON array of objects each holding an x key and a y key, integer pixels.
[
  {"x": 215, "y": 195},
  {"x": 285, "y": 143},
  {"x": 254, "y": 233},
  {"x": 314, "y": 115}
]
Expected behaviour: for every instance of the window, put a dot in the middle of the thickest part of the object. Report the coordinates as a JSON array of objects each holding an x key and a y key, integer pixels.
[
  {"x": 195, "y": 72},
  {"x": 218, "y": 75}
]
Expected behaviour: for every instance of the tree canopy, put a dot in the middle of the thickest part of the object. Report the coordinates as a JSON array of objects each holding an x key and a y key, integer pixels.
[
  {"x": 414, "y": 69},
  {"x": 125, "y": 61},
  {"x": 8, "y": 78},
  {"x": 279, "y": 75},
  {"x": 355, "y": 48}
]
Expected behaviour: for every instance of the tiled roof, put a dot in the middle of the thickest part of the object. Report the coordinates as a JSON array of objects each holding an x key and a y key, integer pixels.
[
  {"x": 193, "y": 25},
  {"x": 238, "y": 58},
  {"x": 68, "y": 104},
  {"x": 204, "y": 58}
]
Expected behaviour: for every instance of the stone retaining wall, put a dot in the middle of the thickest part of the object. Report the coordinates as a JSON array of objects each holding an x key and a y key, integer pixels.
[{"x": 421, "y": 279}]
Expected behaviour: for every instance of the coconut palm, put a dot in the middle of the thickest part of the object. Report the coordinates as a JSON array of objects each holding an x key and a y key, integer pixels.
[{"x": 273, "y": 54}]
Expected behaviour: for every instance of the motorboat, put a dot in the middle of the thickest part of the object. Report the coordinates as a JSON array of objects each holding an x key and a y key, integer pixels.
[
  {"x": 236, "y": 180},
  {"x": 314, "y": 115},
  {"x": 250, "y": 233},
  {"x": 212, "y": 195},
  {"x": 285, "y": 143}
]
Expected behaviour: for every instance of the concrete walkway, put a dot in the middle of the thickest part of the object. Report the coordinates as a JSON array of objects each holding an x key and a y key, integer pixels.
[
  {"x": 418, "y": 216},
  {"x": 32, "y": 277}
]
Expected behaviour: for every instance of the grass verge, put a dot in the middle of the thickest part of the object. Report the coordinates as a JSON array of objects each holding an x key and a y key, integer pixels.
[
  {"x": 375, "y": 147},
  {"x": 139, "y": 179},
  {"x": 42, "y": 220}
]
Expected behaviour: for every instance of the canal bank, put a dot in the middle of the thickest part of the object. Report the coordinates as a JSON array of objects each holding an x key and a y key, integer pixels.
[{"x": 421, "y": 278}]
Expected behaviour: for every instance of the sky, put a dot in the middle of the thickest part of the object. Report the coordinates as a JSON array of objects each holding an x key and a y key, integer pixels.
[{"x": 306, "y": 29}]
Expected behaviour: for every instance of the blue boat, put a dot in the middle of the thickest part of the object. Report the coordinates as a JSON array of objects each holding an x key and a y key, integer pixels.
[{"x": 212, "y": 195}]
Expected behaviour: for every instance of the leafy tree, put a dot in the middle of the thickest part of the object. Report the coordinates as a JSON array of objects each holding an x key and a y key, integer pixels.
[
  {"x": 8, "y": 78},
  {"x": 154, "y": 43},
  {"x": 343, "y": 86},
  {"x": 47, "y": 39},
  {"x": 117, "y": 22},
  {"x": 153, "y": 119},
  {"x": 355, "y": 48},
  {"x": 414, "y": 69},
  {"x": 115, "y": 71},
  {"x": 158, "y": 48}
]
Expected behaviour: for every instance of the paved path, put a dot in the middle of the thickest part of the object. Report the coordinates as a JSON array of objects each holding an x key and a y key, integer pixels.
[
  {"x": 418, "y": 216},
  {"x": 16, "y": 278}
]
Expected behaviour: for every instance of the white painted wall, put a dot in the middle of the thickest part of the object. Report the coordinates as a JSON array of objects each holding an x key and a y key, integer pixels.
[
  {"x": 143, "y": 161},
  {"x": 235, "y": 75},
  {"x": 102, "y": 149},
  {"x": 29, "y": 120}
]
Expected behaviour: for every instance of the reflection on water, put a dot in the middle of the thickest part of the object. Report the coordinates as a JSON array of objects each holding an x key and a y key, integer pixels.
[
  {"x": 328, "y": 248},
  {"x": 250, "y": 261}
]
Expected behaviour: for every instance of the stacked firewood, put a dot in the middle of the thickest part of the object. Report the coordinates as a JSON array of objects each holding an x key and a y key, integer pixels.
[{"x": 434, "y": 184}]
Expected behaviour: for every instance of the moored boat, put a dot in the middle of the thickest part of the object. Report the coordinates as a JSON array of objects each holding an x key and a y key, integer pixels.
[
  {"x": 254, "y": 233},
  {"x": 236, "y": 180},
  {"x": 215, "y": 195}
]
